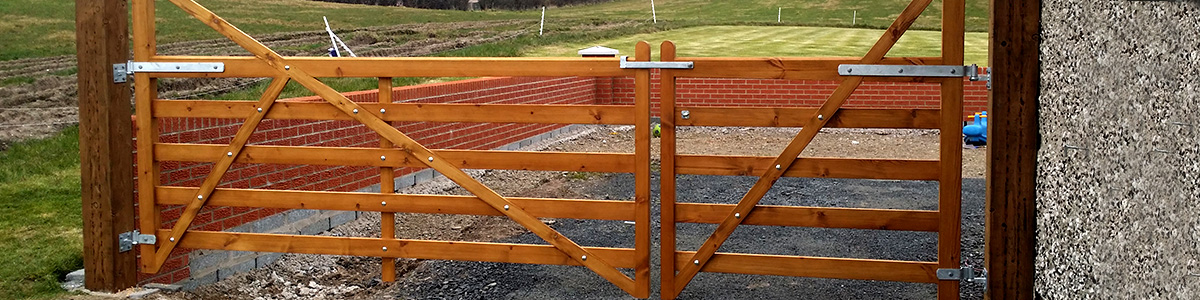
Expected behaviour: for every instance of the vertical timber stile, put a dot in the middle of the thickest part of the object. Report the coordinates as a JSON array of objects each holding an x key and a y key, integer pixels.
[
  {"x": 387, "y": 185},
  {"x": 950, "y": 183},
  {"x": 667, "y": 175},
  {"x": 642, "y": 174},
  {"x": 146, "y": 91}
]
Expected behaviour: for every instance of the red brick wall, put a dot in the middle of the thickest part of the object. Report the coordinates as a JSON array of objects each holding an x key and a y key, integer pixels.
[
  {"x": 348, "y": 134},
  {"x": 799, "y": 93}
]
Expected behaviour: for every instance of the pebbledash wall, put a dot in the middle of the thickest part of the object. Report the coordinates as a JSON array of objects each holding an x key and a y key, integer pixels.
[{"x": 195, "y": 267}]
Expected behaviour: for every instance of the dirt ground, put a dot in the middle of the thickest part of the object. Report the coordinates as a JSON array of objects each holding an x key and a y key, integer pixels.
[{"x": 298, "y": 276}]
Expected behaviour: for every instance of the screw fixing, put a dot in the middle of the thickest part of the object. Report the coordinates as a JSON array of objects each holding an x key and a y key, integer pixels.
[
  {"x": 382, "y": 111},
  {"x": 260, "y": 109},
  {"x": 583, "y": 257},
  {"x": 696, "y": 262},
  {"x": 382, "y": 157},
  {"x": 230, "y": 154},
  {"x": 287, "y": 67},
  {"x": 171, "y": 239},
  {"x": 778, "y": 167},
  {"x": 200, "y": 197},
  {"x": 505, "y": 207},
  {"x": 737, "y": 215},
  {"x": 383, "y": 203},
  {"x": 431, "y": 159},
  {"x": 821, "y": 117},
  {"x": 356, "y": 111},
  {"x": 384, "y": 249}
]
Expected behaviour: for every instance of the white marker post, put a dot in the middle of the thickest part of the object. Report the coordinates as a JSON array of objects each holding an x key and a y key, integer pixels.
[
  {"x": 854, "y": 20},
  {"x": 543, "y": 26},
  {"x": 331, "y": 39},
  {"x": 653, "y": 13},
  {"x": 779, "y": 18}
]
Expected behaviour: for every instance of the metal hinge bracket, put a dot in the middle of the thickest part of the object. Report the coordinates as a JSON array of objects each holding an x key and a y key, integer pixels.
[
  {"x": 626, "y": 64},
  {"x": 963, "y": 274},
  {"x": 970, "y": 72},
  {"x": 127, "y": 240},
  {"x": 121, "y": 72}
]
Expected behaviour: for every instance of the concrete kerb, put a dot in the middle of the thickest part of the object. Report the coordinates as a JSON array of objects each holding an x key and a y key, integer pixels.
[{"x": 209, "y": 266}]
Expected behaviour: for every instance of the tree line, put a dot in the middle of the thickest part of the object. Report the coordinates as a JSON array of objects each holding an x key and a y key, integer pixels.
[{"x": 463, "y": 4}]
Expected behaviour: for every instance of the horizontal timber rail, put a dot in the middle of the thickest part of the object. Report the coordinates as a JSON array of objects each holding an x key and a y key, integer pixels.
[
  {"x": 802, "y": 68},
  {"x": 236, "y": 66},
  {"x": 823, "y": 217},
  {"x": 347, "y": 156},
  {"x": 399, "y": 248},
  {"x": 406, "y": 112},
  {"x": 796, "y": 117},
  {"x": 402, "y": 203},
  {"x": 819, "y": 267},
  {"x": 889, "y": 169}
]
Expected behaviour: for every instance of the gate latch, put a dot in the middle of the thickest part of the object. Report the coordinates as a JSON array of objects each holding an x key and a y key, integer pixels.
[
  {"x": 122, "y": 71},
  {"x": 126, "y": 240},
  {"x": 626, "y": 64},
  {"x": 965, "y": 273},
  {"x": 970, "y": 72}
]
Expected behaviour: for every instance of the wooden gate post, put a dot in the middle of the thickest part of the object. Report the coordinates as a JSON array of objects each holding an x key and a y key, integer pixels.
[
  {"x": 105, "y": 143},
  {"x": 1012, "y": 148}
]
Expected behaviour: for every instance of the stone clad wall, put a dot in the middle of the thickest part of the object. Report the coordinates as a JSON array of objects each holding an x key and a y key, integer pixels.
[{"x": 1118, "y": 196}]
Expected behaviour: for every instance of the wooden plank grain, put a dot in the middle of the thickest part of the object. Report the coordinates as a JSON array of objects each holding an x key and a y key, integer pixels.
[
  {"x": 368, "y": 67},
  {"x": 387, "y": 185},
  {"x": 399, "y": 248},
  {"x": 1011, "y": 213},
  {"x": 796, "y": 117},
  {"x": 667, "y": 192},
  {"x": 105, "y": 144},
  {"x": 860, "y": 168},
  {"x": 641, "y": 172},
  {"x": 148, "y": 171},
  {"x": 950, "y": 150},
  {"x": 408, "y": 112},
  {"x": 401, "y": 203},
  {"x": 819, "y": 267},
  {"x": 348, "y": 156},
  {"x": 822, "y": 217}
]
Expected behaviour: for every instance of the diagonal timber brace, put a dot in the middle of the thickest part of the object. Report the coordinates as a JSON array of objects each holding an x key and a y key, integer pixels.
[
  {"x": 746, "y": 205},
  {"x": 401, "y": 141}
]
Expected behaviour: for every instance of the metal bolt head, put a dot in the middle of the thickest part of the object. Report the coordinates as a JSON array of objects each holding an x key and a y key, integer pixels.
[
  {"x": 849, "y": 70},
  {"x": 901, "y": 70},
  {"x": 583, "y": 257},
  {"x": 287, "y": 67},
  {"x": 685, "y": 114},
  {"x": 696, "y": 262},
  {"x": 382, "y": 111},
  {"x": 431, "y": 159},
  {"x": 199, "y": 196},
  {"x": 383, "y": 203},
  {"x": 230, "y": 154},
  {"x": 506, "y": 207},
  {"x": 383, "y": 157},
  {"x": 384, "y": 249},
  {"x": 260, "y": 109},
  {"x": 171, "y": 239},
  {"x": 820, "y": 117},
  {"x": 356, "y": 110},
  {"x": 737, "y": 215},
  {"x": 778, "y": 167}
]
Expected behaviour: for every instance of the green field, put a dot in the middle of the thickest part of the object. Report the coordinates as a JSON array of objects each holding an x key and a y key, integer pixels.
[
  {"x": 38, "y": 28},
  {"x": 778, "y": 41},
  {"x": 40, "y": 226}
]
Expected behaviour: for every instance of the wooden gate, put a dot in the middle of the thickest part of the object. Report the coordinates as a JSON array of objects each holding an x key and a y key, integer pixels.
[
  {"x": 397, "y": 150},
  {"x": 680, "y": 267}
]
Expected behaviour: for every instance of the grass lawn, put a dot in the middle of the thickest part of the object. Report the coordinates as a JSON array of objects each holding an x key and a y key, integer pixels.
[
  {"x": 40, "y": 226},
  {"x": 37, "y": 28},
  {"x": 778, "y": 41}
]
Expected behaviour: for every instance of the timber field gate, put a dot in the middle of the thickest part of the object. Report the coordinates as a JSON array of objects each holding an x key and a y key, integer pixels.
[{"x": 627, "y": 268}]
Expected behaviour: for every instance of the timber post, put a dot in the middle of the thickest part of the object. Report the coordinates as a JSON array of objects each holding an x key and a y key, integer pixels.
[
  {"x": 1012, "y": 150},
  {"x": 105, "y": 143}
]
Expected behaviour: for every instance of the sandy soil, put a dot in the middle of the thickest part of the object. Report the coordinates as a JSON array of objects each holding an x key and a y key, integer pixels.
[{"x": 335, "y": 277}]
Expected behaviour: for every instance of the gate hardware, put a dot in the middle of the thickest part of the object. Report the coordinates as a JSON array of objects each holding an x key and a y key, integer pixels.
[
  {"x": 685, "y": 114},
  {"x": 971, "y": 72},
  {"x": 126, "y": 240},
  {"x": 122, "y": 71},
  {"x": 965, "y": 273},
  {"x": 626, "y": 64}
]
